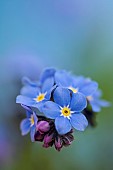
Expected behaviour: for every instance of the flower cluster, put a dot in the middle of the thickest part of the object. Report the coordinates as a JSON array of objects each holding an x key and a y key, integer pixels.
[{"x": 56, "y": 105}]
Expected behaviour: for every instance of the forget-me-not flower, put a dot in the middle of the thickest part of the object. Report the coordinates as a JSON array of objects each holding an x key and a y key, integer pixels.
[
  {"x": 35, "y": 95},
  {"x": 66, "y": 110},
  {"x": 29, "y": 124},
  {"x": 75, "y": 83}
]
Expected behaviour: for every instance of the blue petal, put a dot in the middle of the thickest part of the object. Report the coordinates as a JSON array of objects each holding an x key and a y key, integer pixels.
[
  {"x": 51, "y": 110},
  {"x": 62, "y": 96},
  {"x": 103, "y": 103},
  {"x": 30, "y": 91},
  {"x": 48, "y": 94},
  {"x": 47, "y": 85},
  {"x": 97, "y": 94},
  {"x": 95, "y": 107},
  {"x": 32, "y": 133},
  {"x": 30, "y": 102},
  {"x": 88, "y": 88},
  {"x": 79, "y": 121},
  {"x": 39, "y": 105},
  {"x": 47, "y": 73},
  {"x": 63, "y": 78},
  {"x": 77, "y": 81},
  {"x": 27, "y": 81},
  {"x": 97, "y": 104},
  {"x": 25, "y": 126},
  {"x": 78, "y": 102},
  {"x": 28, "y": 114},
  {"x": 62, "y": 125},
  {"x": 25, "y": 100}
]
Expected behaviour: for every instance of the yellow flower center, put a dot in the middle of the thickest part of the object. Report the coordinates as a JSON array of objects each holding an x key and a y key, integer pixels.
[
  {"x": 73, "y": 89},
  {"x": 40, "y": 97},
  {"x": 32, "y": 120},
  {"x": 66, "y": 112}
]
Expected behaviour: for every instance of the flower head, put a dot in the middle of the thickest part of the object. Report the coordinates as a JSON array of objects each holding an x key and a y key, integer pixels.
[
  {"x": 29, "y": 124},
  {"x": 66, "y": 102},
  {"x": 94, "y": 105},
  {"x": 66, "y": 110}
]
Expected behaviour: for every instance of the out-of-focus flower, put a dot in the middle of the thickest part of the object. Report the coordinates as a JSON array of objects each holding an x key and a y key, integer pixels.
[
  {"x": 96, "y": 102},
  {"x": 29, "y": 124},
  {"x": 75, "y": 83},
  {"x": 66, "y": 110}
]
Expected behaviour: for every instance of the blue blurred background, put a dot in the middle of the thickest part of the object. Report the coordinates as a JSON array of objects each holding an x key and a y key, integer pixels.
[{"x": 66, "y": 34}]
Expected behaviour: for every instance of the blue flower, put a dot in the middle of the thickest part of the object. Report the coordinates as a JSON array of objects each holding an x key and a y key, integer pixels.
[
  {"x": 95, "y": 101},
  {"x": 66, "y": 110},
  {"x": 29, "y": 124},
  {"x": 75, "y": 83},
  {"x": 36, "y": 94}
]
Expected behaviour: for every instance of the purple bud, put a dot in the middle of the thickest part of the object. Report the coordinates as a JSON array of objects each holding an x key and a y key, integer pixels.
[
  {"x": 39, "y": 137},
  {"x": 46, "y": 145},
  {"x": 48, "y": 138},
  {"x": 58, "y": 144},
  {"x": 43, "y": 126}
]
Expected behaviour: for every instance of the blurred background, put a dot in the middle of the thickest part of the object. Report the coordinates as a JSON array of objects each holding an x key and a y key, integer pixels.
[{"x": 76, "y": 35}]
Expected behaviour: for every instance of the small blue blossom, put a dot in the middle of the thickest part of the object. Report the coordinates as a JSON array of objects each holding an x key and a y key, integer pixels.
[
  {"x": 66, "y": 110},
  {"x": 29, "y": 124},
  {"x": 36, "y": 94},
  {"x": 96, "y": 102},
  {"x": 75, "y": 83}
]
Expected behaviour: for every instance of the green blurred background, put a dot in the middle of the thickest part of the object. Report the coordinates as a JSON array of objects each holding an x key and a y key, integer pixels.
[{"x": 76, "y": 35}]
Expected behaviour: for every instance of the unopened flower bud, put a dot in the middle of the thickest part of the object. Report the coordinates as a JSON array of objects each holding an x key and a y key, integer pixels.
[
  {"x": 48, "y": 138},
  {"x": 39, "y": 137},
  {"x": 43, "y": 126},
  {"x": 58, "y": 144}
]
